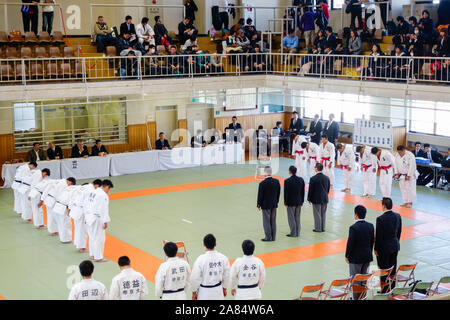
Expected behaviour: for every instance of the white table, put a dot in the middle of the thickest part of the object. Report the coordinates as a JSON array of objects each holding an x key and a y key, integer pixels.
[
  {"x": 9, "y": 170},
  {"x": 134, "y": 162},
  {"x": 85, "y": 168}
]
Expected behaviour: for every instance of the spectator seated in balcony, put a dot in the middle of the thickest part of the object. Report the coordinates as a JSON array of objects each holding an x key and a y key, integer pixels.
[
  {"x": 189, "y": 61},
  {"x": 399, "y": 65},
  {"x": 129, "y": 68},
  {"x": 232, "y": 44},
  {"x": 257, "y": 61},
  {"x": 151, "y": 63},
  {"x": 238, "y": 26},
  {"x": 427, "y": 25},
  {"x": 330, "y": 37},
  {"x": 204, "y": 63},
  {"x": 290, "y": 42},
  {"x": 243, "y": 41},
  {"x": 444, "y": 75},
  {"x": 128, "y": 27},
  {"x": 403, "y": 28},
  {"x": 186, "y": 29},
  {"x": 250, "y": 29},
  {"x": 412, "y": 21},
  {"x": 99, "y": 150},
  {"x": 414, "y": 41},
  {"x": 354, "y": 44},
  {"x": 443, "y": 44},
  {"x": 377, "y": 63},
  {"x": 174, "y": 62},
  {"x": 324, "y": 64},
  {"x": 124, "y": 45},
  {"x": 161, "y": 34},
  {"x": 145, "y": 33},
  {"x": 189, "y": 43},
  {"x": 102, "y": 34},
  {"x": 319, "y": 42}
]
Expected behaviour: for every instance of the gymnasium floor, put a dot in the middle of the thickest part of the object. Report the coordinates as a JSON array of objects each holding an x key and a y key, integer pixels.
[{"x": 186, "y": 204}]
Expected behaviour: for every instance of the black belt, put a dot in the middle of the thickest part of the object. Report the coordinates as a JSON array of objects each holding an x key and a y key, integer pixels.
[
  {"x": 50, "y": 195},
  {"x": 173, "y": 291},
  {"x": 18, "y": 181},
  {"x": 26, "y": 184},
  {"x": 213, "y": 286},
  {"x": 248, "y": 287},
  {"x": 65, "y": 205}
]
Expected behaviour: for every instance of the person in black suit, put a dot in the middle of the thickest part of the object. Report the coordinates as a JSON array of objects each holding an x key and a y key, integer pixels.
[
  {"x": 268, "y": 197},
  {"x": 283, "y": 140},
  {"x": 295, "y": 127},
  {"x": 426, "y": 174},
  {"x": 99, "y": 149},
  {"x": 186, "y": 30},
  {"x": 319, "y": 187},
  {"x": 80, "y": 150},
  {"x": 162, "y": 143},
  {"x": 315, "y": 130},
  {"x": 331, "y": 130},
  {"x": 54, "y": 151},
  {"x": 198, "y": 141},
  {"x": 359, "y": 245},
  {"x": 418, "y": 151},
  {"x": 237, "y": 129},
  {"x": 129, "y": 28},
  {"x": 36, "y": 154},
  {"x": 331, "y": 41},
  {"x": 294, "y": 196},
  {"x": 387, "y": 238}
]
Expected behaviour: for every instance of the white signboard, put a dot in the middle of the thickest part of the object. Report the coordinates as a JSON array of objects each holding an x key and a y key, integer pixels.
[{"x": 373, "y": 133}]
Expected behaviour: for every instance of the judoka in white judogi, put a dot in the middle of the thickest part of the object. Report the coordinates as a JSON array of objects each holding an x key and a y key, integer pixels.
[
  {"x": 346, "y": 160},
  {"x": 313, "y": 156},
  {"x": 406, "y": 172},
  {"x": 28, "y": 179},
  {"x": 300, "y": 156},
  {"x": 386, "y": 163},
  {"x": 327, "y": 155},
  {"x": 128, "y": 284},
  {"x": 21, "y": 171},
  {"x": 37, "y": 188},
  {"x": 173, "y": 277},
  {"x": 61, "y": 210},
  {"x": 369, "y": 167},
  {"x": 248, "y": 275}
]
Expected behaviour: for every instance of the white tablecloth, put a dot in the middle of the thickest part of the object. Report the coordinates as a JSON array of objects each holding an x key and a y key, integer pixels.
[
  {"x": 9, "y": 170},
  {"x": 85, "y": 168},
  {"x": 134, "y": 162}
]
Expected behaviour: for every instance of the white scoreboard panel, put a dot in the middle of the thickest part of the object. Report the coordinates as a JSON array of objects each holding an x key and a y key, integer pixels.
[{"x": 373, "y": 133}]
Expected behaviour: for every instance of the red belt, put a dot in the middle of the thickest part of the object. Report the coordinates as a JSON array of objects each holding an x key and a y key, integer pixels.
[
  {"x": 325, "y": 160},
  {"x": 385, "y": 168},
  {"x": 345, "y": 167},
  {"x": 299, "y": 152},
  {"x": 365, "y": 167},
  {"x": 313, "y": 158}
]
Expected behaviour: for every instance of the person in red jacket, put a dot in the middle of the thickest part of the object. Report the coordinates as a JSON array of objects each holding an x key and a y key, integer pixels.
[{"x": 325, "y": 8}]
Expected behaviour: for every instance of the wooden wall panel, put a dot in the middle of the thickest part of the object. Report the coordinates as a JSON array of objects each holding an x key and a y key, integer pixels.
[
  {"x": 399, "y": 137},
  {"x": 137, "y": 137},
  {"x": 183, "y": 139}
]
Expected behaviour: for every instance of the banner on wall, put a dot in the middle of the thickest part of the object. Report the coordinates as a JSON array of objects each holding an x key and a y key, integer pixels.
[{"x": 373, "y": 133}]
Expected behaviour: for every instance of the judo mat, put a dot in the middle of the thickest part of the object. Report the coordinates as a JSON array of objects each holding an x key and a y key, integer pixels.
[{"x": 186, "y": 204}]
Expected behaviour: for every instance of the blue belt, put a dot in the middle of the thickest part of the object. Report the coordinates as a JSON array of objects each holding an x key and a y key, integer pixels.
[
  {"x": 173, "y": 291},
  {"x": 248, "y": 287},
  {"x": 213, "y": 286}
]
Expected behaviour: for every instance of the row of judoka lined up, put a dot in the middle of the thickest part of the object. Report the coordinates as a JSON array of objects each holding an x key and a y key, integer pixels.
[
  {"x": 209, "y": 279},
  {"x": 87, "y": 205},
  {"x": 401, "y": 167}
]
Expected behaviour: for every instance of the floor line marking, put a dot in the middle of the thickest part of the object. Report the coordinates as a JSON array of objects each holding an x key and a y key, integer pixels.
[
  {"x": 187, "y": 221},
  {"x": 2, "y": 298}
]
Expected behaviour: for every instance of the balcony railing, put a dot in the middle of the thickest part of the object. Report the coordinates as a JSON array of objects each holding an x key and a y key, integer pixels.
[{"x": 351, "y": 67}]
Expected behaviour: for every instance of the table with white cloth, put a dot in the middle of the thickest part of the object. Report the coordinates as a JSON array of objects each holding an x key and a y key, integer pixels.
[
  {"x": 9, "y": 170},
  {"x": 134, "y": 162},
  {"x": 85, "y": 168}
]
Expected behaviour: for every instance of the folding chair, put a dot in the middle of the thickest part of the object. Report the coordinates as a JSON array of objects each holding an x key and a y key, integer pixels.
[
  {"x": 180, "y": 244},
  {"x": 338, "y": 289},
  {"x": 403, "y": 278},
  {"x": 358, "y": 285},
  {"x": 400, "y": 293},
  {"x": 382, "y": 284},
  {"x": 438, "y": 289},
  {"x": 414, "y": 295},
  {"x": 380, "y": 297},
  {"x": 311, "y": 289}
]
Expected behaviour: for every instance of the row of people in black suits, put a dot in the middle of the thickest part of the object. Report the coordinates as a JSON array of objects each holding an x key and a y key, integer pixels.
[
  {"x": 80, "y": 150},
  {"x": 426, "y": 175},
  {"x": 54, "y": 152},
  {"x": 363, "y": 239}
]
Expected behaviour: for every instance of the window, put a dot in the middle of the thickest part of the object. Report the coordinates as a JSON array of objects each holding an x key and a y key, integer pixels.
[
  {"x": 24, "y": 116},
  {"x": 337, "y": 4},
  {"x": 422, "y": 116},
  {"x": 443, "y": 119}
]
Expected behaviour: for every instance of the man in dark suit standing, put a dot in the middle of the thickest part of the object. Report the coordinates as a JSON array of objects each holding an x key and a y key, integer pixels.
[
  {"x": 295, "y": 127},
  {"x": 80, "y": 150},
  {"x": 331, "y": 130},
  {"x": 162, "y": 143},
  {"x": 294, "y": 196},
  {"x": 315, "y": 130},
  {"x": 359, "y": 245},
  {"x": 387, "y": 239},
  {"x": 237, "y": 129},
  {"x": 36, "y": 154},
  {"x": 54, "y": 152},
  {"x": 268, "y": 197},
  {"x": 319, "y": 187}
]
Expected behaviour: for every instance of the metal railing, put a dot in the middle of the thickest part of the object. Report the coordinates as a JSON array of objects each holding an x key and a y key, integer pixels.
[{"x": 355, "y": 67}]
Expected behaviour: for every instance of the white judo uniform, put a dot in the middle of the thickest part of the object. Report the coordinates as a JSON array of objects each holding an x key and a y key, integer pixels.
[
  {"x": 347, "y": 160},
  {"x": 211, "y": 274},
  {"x": 49, "y": 197},
  {"x": 386, "y": 163},
  {"x": 300, "y": 157},
  {"x": 327, "y": 155},
  {"x": 369, "y": 162},
  {"x": 406, "y": 166},
  {"x": 77, "y": 214},
  {"x": 172, "y": 280},
  {"x": 37, "y": 186},
  {"x": 128, "y": 285},
  {"x": 313, "y": 156},
  {"x": 96, "y": 211},
  {"x": 21, "y": 171},
  {"x": 24, "y": 190},
  {"x": 61, "y": 211},
  {"x": 88, "y": 289},
  {"x": 248, "y": 275}
]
